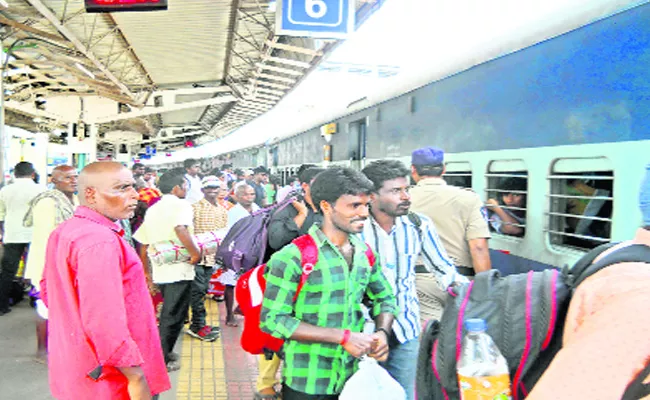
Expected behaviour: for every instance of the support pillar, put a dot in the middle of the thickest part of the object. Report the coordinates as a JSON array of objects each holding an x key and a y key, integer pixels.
[
  {"x": 2, "y": 116},
  {"x": 92, "y": 149}
]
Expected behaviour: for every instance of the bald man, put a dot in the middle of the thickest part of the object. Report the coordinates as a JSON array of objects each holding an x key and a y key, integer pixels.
[
  {"x": 103, "y": 339},
  {"x": 46, "y": 211}
]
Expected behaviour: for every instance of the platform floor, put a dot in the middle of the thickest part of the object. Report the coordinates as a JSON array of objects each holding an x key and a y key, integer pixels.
[{"x": 219, "y": 370}]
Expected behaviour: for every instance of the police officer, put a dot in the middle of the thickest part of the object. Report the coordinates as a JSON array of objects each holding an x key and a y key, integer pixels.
[{"x": 457, "y": 215}]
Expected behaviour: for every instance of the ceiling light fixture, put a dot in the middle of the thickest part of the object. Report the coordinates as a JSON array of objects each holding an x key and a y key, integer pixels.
[{"x": 84, "y": 70}]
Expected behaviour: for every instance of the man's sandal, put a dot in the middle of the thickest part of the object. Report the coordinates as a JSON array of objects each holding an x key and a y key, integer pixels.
[{"x": 260, "y": 396}]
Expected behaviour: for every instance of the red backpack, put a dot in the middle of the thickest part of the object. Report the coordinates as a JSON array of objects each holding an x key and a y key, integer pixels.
[{"x": 250, "y": 293}]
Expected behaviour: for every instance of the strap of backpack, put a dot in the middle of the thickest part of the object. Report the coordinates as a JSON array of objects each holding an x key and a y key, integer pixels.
[
  {"x": 637, "y": 389},
  {"x": 309, "y": 258},
  {"x": 585, "y": 262},
  {"x": 631, "y": 253},
  {"x": 417, "y": 221},
  {"x": 371, "y": 256}
]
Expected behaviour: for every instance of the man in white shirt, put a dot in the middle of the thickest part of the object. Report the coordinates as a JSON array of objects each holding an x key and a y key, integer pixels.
[
  {"x": 245, "y": 196},
  {"x": 192, "y": 169},
  {"x": 399, "y": 238},
  {"x": 14, "y": 203},
  {"x": 46, "y": 211},
  {"x": 170, "y": 218}
]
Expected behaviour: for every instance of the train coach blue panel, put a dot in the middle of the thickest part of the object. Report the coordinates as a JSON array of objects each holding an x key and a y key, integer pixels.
[
  {"x": 591, "y": 85},
  {"x": 509, "y": 264}
]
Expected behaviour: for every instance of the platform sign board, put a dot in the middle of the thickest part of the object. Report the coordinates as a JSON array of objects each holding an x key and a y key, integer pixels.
[
  {"x": 109, "y": 6},
  {"x": 332, "y": 19}
]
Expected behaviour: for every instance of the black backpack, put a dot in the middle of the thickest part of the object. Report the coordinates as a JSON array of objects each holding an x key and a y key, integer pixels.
[{"x": 525, "y": 317}]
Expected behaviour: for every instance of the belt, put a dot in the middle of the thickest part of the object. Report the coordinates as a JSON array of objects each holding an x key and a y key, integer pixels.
[{"x": 465, "y": 271}]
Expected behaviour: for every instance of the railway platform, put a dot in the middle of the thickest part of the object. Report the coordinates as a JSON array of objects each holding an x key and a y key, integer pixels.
[{"x": 219, "y": 370}]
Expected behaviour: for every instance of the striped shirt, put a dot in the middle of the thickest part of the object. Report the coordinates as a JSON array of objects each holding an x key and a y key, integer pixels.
[{"x": 398, "y": 252}]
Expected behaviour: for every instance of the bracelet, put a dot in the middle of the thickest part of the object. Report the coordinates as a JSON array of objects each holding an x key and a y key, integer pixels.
[
  {"x": 383, "y": 330},
  {"x": 346, "y": 337}
]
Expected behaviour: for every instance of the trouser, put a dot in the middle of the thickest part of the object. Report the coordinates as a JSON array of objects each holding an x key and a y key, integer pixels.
[
  {"x": 10, "y": 262},
  {"x": 176, "y": 302},
  {"x": 199, "y": 289},
  {"x": 431, "y": 295},
  {"x": 402, "y": 364},
  {"x": 268, "y": 370},
  {"x": 290, "y": 394}
]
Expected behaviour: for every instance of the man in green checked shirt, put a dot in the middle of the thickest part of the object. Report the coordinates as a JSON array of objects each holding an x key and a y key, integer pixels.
[{"x": 322, "y": 329}]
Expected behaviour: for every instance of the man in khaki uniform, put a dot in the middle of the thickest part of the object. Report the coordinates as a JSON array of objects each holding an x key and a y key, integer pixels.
[{"x": 459, "y": 220}]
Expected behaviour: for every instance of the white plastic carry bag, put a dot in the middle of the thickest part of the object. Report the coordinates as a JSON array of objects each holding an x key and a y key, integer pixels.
[{"x": 372, "y": 382}]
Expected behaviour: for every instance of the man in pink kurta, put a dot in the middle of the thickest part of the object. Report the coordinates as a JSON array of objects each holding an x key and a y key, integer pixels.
[{"x": 103, "y": 338}]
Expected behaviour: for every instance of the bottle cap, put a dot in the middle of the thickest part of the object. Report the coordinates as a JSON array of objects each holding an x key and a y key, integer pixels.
[{"x": 475, "y": 325}]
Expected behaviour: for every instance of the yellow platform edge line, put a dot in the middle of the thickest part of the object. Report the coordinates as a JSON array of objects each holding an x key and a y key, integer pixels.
[{"x": 202, "y": 373}]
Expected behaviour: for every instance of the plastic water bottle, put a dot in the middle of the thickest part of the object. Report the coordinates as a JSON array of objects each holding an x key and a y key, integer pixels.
[{"x": 482, "y": 369}]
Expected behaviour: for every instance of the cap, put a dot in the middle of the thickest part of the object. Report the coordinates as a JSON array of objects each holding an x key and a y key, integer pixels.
[
  {"x": 210, "y": 182},
  {"x": 249, "y": 172},
  {"x": 427, "y": 156},
  {"x": 475, "y": 325},
  {"x": 261, "y": 170},
  {"x": 644, "y": 197}
]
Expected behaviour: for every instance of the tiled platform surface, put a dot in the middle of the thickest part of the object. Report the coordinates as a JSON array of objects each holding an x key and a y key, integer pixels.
[{"x": 220, "y": 370}]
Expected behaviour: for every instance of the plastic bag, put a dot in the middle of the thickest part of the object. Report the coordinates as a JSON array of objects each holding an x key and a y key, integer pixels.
[{"x": 372, "y": 382}]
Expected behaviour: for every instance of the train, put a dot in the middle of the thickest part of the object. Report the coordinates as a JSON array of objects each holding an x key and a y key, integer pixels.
[{"x": 569, "y": 114}]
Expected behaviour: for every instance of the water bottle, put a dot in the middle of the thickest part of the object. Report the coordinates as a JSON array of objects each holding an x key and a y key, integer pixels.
[{"x": 482, "y": 369}]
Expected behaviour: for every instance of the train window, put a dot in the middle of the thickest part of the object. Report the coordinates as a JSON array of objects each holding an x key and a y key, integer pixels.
[
  {"x": 507, "y": 190},
  {"x": 581, "y": 202},
  {"x": 458, "y": 173}
]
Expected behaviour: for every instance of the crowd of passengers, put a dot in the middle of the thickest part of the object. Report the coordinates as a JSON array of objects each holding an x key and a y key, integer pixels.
[{"x": 109, "y": 316}]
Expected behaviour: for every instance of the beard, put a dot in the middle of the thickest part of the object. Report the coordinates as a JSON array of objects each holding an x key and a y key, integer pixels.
[{"x": 352, "y": 226}]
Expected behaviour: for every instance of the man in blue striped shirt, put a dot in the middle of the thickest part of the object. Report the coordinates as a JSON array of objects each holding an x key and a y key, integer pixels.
[{"x": 399, "y": 239}]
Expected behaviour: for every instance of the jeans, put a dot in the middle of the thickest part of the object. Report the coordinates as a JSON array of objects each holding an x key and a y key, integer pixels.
[
  {"x": 176, "y": 302},
  {"x": 402, "y": 364},
  {"x": 199, "y": 289},
  {"x": 10, "y": 262},
  {"x": 290, "y": 394}
]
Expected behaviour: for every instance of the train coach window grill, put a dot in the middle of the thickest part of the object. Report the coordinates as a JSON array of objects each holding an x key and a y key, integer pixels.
[
  {"x": 581, "y": 202},
  {"x": 458, "y": 173},
  {"x": 506, "y": 193}
]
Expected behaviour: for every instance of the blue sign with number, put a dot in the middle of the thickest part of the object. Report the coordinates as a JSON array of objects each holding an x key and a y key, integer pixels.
[{"x": 315, "y": 18}]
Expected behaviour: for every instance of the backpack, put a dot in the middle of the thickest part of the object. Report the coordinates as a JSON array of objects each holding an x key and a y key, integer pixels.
[
  {"x": 249, "y": 293},
  {"x": 245, "y": 245},
  {"x": 525, "y": 317}
]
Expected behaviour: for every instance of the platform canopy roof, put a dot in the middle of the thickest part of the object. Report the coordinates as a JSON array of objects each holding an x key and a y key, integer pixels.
[{"x": 196, "y": 71}]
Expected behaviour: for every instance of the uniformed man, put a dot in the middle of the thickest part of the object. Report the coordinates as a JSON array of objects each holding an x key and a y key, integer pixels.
[{"x": 458, "y": 217}]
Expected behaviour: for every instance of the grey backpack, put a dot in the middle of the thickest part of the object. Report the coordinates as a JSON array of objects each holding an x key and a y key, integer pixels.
[{"x": 525, "y": 317}]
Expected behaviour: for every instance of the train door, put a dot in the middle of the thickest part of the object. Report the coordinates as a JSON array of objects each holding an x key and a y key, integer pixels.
[{"x": 358, "y": 143}]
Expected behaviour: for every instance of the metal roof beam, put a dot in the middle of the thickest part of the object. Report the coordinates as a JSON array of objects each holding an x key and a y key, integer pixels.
[
  {"x": 278, "y": 69},
  {"x": 295, "y": 49},
  {"x": 197, "y": 90},
  {"x": 34, "y": 31},
  {"x": 272, "y": 85},
  {"x": 287, "y": 61},
  {"x": 271, "y": 91},
  {"x": 277, "y": 78},
  {"x": 172, "y": 107},
  {"x": 51, "y": 17}
]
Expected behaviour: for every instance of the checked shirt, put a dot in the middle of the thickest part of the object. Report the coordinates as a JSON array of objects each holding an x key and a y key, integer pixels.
[{"x": 330, "y": 298}]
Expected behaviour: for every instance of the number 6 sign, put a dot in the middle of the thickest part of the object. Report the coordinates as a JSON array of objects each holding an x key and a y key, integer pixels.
[{"x": 315, "y": 18}]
